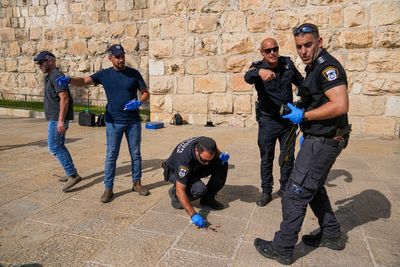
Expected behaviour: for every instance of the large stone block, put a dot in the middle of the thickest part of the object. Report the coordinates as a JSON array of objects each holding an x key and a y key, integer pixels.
[
  {"x": 233, "y": 21},
  {"x": 157, "y": 103},
  {"x": 11, "y": 65},
  {"x": 336, "y": 17},
  {"x": 116, "y": 29},
  {"x": 160, "y": 49},
  {"x": 242, "y": 104},
  {"x": 251, "y": 4},
  {"x": 185, "y": 85},
  {"x": 384, "y": 61},
  {"x": 283, "y": 20},
  {"x": 356, "y": 61},
  {"x": 97, "y": 46},
  {"x": 77, "y": 48},
  {"x": 237, "y": 43},
  {"x": 184, "y": 46},
  {"x": 210, "y": 83},
  {"x": 237, "y": 63},
  {"x": 36, "y": 11},
  {"x": 355, "y": 15},
  {"x": 258, "y": 22},
  {"x": 123, "y": 5},
  {"x": 385, "y": 13},
  {"x": 159, "y": 8},
  {"x": 162, "y": 84},
  {"x": 381, "y": 83},
  {"x": 35, "y": 33},
  {"x": 203, "y": 24},
  {"x": 212, "y": 5},
  {"x": 236, "y": 83},
  {"x": 207, "y": 46},
  {"x": 13, "y": 49},
  {"x": 393, "y": 106},
  {"x": 130, "y": 44},
  {"x": 173, "y": 27},
  {"x": 217, "y": 64},
  {"x": 221, "y": 103},
  {"x": 68, "y": 32},
  {"x": 7, "y": 34},
  {"x": 388, "y": 37},
  {"x": 26, "y": 65},
  {"x": 379, "y": 126},
  {"x": 318, "y": 16},
  {"x": 76, "y": 7},
  {"x": 131, "y": 30},
  {"x": 197, "y": 66},
  {"x": 175, "y": 66},
  {"x": 196, "y": 103},
  {"x": 83, "y": 31},
  {"x": 154, "y": 28},
  {"x": 355, "y": 39},
  {"x": 156, "y": 67},
  {"x": 361, "y": 105}
]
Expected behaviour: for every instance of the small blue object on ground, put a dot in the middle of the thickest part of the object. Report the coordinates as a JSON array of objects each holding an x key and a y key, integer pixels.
[{"x": 154, "y": 125}]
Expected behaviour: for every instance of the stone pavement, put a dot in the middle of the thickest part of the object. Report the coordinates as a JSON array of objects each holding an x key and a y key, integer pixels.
[{"x": 41, "y": 224}]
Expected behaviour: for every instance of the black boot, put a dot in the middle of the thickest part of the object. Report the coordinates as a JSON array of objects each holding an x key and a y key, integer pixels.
[
  {"x": 174, "y": 200},
  {"x": 264, "y": 200},
  {"x": 320, "y": 240},
  {"x": 265, "y": 248}
]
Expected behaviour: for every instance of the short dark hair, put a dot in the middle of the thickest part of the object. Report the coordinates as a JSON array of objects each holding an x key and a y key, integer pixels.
[
  {"x": 206, "y": 143},
  {"x": 306, "y": 28}
]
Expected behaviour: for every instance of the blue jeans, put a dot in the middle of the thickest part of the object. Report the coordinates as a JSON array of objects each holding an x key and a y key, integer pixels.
[
  {"x": 114, "y": 133},
  {"x": 56, "y": 143}
]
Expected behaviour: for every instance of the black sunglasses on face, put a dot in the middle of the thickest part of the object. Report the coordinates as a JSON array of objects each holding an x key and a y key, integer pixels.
[
  {"x": 40, "y": 63},
  {"x": 304, "y": 29},
  {"x": 269, "y": 50},
  {"x": 203, "y": 160}
]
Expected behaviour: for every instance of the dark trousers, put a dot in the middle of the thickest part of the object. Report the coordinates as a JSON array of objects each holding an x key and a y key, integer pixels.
[
  {"x": 195, "y": 187},
  {"x": 306, "y": 187},
  {"x": 270, "y": 130}
]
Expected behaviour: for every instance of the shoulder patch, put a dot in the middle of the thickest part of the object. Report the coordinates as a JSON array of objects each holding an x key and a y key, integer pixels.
[
  {"x": 257, "y": 62},
  {"x": 183, "y": 170},
  {"x": 330, "y": 73}
]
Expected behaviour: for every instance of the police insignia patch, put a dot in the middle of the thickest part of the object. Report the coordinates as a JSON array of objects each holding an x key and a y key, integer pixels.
[
  {"x": 183, "y": 170},
  {"x": 330, "y": 73}
]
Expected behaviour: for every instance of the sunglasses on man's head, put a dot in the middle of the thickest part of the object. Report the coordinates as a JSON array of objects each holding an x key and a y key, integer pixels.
[
  {"x": 269, "y": 50},
  {"x": 304, "y": 29}
]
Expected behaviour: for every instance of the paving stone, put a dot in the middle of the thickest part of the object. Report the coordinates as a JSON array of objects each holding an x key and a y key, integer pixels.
[
  {"x": 159, "y": 222},
  {"x": 385, "y": 252},
  {"x": 18, "y": 210},
  {"x": 61, "y": 250},
  {"x": 218, "y": 240},
  {"x": 263, "y": 224},
  {"x": 178, "y": 258},
  {"x": 8, "y": 194},
  {"x": 133, "y": 247}
]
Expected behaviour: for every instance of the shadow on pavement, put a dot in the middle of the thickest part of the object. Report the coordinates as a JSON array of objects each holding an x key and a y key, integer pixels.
[
  {"x": 40, "y": 143},
  {"x": 333, "y": 174},
  {"x": 368, "y": 206}
]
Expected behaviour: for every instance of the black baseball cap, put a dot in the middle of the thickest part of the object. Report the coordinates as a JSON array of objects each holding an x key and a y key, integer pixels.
[
  {"x": 43, "y": 56},
  {"x": 116, "y": 50}
]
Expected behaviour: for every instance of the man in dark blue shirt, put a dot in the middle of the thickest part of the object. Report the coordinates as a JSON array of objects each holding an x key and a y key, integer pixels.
[
  {"x": 273, "y": 77},
  {"x": 59, "y": 111},
  {"x": 121, "y": 84}
]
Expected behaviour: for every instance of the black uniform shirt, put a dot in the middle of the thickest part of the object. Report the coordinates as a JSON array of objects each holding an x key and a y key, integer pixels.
[
  {"x": 52, "y": 99},
  {"x": 325, "y": 73},
  {"x": 276, "y": 92},
  {"x": 183, "y": 160}
]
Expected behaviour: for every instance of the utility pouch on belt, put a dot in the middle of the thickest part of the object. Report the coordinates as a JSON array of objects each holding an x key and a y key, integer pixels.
[{"x": 345, "y": 133}]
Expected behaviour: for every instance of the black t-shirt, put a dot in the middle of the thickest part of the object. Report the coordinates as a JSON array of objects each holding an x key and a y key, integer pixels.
[
  {"x": 183, "y": 161},
  {"x": 121, "y": 86},
  {"x": 325, "y": 73},
  {"x": 52, "y": 99},
  {"x": 276, "y": 92}
]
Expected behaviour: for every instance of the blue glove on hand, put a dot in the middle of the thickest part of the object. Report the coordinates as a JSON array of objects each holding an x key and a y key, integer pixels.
[
  {"x": 224, "y": 157},
  {"x": 301, "y": 140},
  {"x": 133, "y": 105},
  {"x": 198, "y": 220},
  {"x": 296, "y": 116},
  {"x": 63, "y": 81}
]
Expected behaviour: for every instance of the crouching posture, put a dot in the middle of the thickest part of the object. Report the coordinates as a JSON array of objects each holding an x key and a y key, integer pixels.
[{"x": 191, "y": 160}]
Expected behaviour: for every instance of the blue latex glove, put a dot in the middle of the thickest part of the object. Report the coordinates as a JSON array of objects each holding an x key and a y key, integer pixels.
[
  {"x": 63, "y": 81},
  {"x": 198, "y": 220},
  {"x": 224, "y": 157},
  {"x": 133, "y": 104},
  {"x": 296, "y": 116},
  {"x": 301, "y": 140}
]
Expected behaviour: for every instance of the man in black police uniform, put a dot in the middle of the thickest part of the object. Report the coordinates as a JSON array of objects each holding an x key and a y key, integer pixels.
[
  {"x": 326, "y": 130},
  {"x": 191, "y": 160},
  {"x": 273, "y": 77}
]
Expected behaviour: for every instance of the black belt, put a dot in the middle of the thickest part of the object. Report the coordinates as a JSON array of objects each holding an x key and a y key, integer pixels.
[{"x": 324, "y": 140}]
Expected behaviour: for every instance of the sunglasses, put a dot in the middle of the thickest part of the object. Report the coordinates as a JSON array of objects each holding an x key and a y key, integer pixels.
[
  {"x": 269, "y": 50},
  {"x": 40, "y": 63},
  {"x": 304, "y": 29},
  {"x": 203, "y": 159}
]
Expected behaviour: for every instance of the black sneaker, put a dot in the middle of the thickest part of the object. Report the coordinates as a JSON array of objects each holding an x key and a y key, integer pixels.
[
  {"x": 264, "y": 200},
  {"x": 265, "y": 248},
  {"x": 174, "y": 200},
  {"x": 320, "y": 240},
  {"x": 212, "y": 203}
]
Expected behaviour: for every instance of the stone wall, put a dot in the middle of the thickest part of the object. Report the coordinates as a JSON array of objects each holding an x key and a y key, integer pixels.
[{"x": 195, "y": 52}]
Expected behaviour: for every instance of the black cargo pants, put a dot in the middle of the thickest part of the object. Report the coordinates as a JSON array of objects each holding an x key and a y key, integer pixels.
[{"x": 306, "y": 187}]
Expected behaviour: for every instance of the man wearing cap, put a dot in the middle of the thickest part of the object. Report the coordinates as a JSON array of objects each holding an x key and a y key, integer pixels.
[
  {"x": 273, "y": 77},
  {"x": 58, "y": 107},
  {"x": 121, "y": 84},
  {"x": 191, "y": 160},
  {"x": 324, "y": 123}
]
